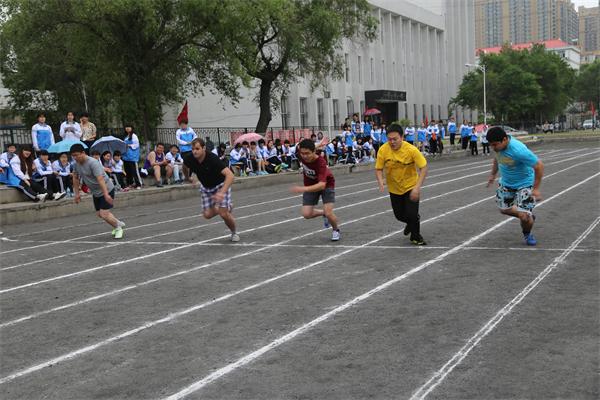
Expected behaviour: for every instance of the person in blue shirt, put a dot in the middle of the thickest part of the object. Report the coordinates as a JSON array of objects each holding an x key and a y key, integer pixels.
[
  {"x": 421, "y": 136},
  {"x": 464, "y": 135},
  {"x": 376, "y": 136},
  {"x": 452, "y": 130},
  {"x": 521, "y": 176},
  {"x": 383, "y": 133},
  {"x": 409, "y": 135},
  {"x": 473, "y": 142}
]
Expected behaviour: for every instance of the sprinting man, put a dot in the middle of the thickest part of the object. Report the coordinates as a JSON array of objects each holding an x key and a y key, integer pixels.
[
  {"x": 318, "y": 182},
  {"x": 400, "y": 161},
  {"x": 215, "y": 184},
  {"x": 521, "y": 176},
  {"x": 90, "y": 171}
]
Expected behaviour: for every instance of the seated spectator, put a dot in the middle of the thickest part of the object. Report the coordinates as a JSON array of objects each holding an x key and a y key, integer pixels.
[
  {"x": 95, "y": 155},
  {"x": 258, "y": 164},
  {"x": 331, "y": 152},
  {"x": 281, "y": 154},
  {"x": 220, "y": 151},
  {"x": 118, "y": 172},
  {"x": 157, "y": 162},
  {"x": 45, "y": 175},
  {"x": 62, "y": 167},
  {"x": 238, "y": 158},
  {"x": 176, "y": 162},
  {"x": 369, "y": 151},
  {"x": 20, "y": 175},
  {"x": 286, "y": 156},
  {"x": 106, "y": 160},
  {"x": 11, "y": 151},
  {"x": 273, "y": 162}
]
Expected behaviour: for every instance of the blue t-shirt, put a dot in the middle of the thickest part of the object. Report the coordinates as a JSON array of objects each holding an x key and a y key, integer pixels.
[{"x": 516, "y": 165}]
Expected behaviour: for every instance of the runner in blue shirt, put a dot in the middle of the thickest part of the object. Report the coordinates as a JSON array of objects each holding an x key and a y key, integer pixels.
[{"x": 521, "y": 176}]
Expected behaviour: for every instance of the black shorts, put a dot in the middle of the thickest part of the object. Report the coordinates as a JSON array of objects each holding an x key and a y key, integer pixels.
[
  {"x": 101, "y": 204},
  {"x": 312, "y": 198}
]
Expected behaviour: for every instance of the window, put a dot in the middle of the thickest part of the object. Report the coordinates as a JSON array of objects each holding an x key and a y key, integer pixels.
[
  {"x": 406, "y": 110},
  {"x": 383, "y": 72},
  {"x": 347, "y": 63},
  {"x": 320, "y": 114},
  {"x": 285, "y": 114},
  {"x": 362, "y": 106},
  {"x": 336, "y": 113},
  {"x": 350, "y": 106},
  {"x": 394, "y": 75},
  {"x": 372, "y": 73},
  {"x": 415, "y": 114},
  {"x": 359, "y": 69},
  {"x": 303, "y": 112}
]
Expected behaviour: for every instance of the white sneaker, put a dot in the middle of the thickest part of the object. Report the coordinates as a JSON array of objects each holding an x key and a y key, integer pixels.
[
  {"x": 42, "y": 197},
  {"x": 235, "y": 237},
  {"x": 335, "y": 236},
  {"x": 58, "y": 196},
  {"x": 121, "y": 224}
]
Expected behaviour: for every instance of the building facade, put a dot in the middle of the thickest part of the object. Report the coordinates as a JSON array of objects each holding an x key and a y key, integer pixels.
[
  {"x": 411, "y": 70},
  {"x": 569, "y": 52},
  {"x": 521, "y": 21},
  {"x": 589, "y": 33}
]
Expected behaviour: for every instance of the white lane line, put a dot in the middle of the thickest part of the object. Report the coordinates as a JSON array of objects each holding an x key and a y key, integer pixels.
[
  {"x": 237, "y": 208},
  {"x": 252, "y": 356},
  {"x": 210, "y": 224},
  {"x": 170, "y": 317},
  {"x": 207, "y": 265},
  {"x": 441, "y": 374},
  {"x": 179, "y": 273},
  {"x": 304, "y": 328}
]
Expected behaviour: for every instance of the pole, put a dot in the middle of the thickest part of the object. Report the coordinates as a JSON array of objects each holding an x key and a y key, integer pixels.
[
  {"x": 329, "y": 118},
  {"x": 484, "y": 99}
]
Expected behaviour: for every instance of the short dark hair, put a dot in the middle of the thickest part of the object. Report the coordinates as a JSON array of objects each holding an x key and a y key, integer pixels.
[
  {"x": 159, "y": 144},
  {"x": 261, "y": 141},
  {"x": 199, "y": 141},
  {"x": 41, "y": 115},
  {"x": 395, "y": 128},
  {"x": 307, "y": 144},
  {"x": 117, "y": 153},
  {"x": 94, "y": 153},
  {"x": 174, "y": 145},
  {"x": 253, "y": 143},
  {"x": 244, "y": 143},
  {"x": 10, "y": 144},
  {"x": 495, "y": 134},
  {"x": 43, "y": 153},
  {"x": 77, "y": 148},
  {"x": 84, "y": 114},
  {"x": 105, "y": 153}
]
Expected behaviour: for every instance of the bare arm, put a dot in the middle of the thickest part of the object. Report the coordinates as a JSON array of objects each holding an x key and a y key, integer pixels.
[
  {"x": 76, "y": 188},
  {"x": 538, "y": 169},
  {"x": 415, "y": 193},
  {"x": 317, "y": 187},
  {"x": 220, "y": 195},
  {"x": 379, "y": 176},
  {"x": 492, "y": 177}
]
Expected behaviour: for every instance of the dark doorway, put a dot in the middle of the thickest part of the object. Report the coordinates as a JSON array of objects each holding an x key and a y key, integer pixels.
[{"x": 389, "y": 112}]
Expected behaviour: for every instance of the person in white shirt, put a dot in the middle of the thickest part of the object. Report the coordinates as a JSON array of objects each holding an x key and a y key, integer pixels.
[
  {"x": 41, "y": 134},
  {"x": 46, "y": 175},
  {"x": 62, "y": 169},
  {"x": 176, "y": 161},
  {"x": 5, "y": 158},
  {"x": 118, "y": 172},
  {"x": 69, "y": 129},
  {"x": 23, "y": 169}
]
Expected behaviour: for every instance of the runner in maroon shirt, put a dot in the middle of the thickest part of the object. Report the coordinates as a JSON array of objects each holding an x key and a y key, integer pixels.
[{"x": 318, "y": 182}]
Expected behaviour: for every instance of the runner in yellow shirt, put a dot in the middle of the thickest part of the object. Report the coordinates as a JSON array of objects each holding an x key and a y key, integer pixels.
[{"x": 400, "y": 160}]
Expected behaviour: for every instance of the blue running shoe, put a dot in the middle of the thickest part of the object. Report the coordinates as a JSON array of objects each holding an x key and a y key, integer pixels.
[
  {"x": 326, "y": 222},
  {"x": 530, "y": 240}
]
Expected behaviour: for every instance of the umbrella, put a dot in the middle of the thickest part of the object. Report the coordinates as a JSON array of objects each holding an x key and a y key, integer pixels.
[
  {"x": 480, "y": 128},
  {"x": 64, "y": 146},
  {"x": 248, "y": 137},
  {"x": 109, "y": 143},
  {"x": 372, "y": 111}
]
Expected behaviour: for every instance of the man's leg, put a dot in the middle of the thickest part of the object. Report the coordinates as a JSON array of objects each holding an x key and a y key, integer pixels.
[
  {"x": 328, "y": 212},
  {"x": 413, "y": 219},
  {"x": 398, "y": 206},
  {"x": 525, "y": 218},
  {"x": 309, "y": 212},
  {"x": 156, "y": 169},
  {"x": 227, "y": 217},
  {"x": 169, "y": 169},
  {"x": 107, "y": 216}
]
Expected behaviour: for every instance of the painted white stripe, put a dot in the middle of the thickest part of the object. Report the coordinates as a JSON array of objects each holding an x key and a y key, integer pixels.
[
  {"x": 207, "y": 265},
  {"x": 209, "y": 224},
  {"x": 441, "y": 374},
  {"x": 148, "y": 282},
  {"x": 129, "y": 228},
  {"x": 252, "y": 356}
]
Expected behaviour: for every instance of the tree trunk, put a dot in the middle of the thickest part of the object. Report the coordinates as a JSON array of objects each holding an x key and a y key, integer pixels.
[{"x": 265, "y": 106}]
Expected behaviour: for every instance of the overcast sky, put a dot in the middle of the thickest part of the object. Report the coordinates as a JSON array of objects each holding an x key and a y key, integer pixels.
[{"x": 585, "y": 3}]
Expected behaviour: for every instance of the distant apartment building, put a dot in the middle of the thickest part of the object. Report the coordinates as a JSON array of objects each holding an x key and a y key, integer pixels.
[
  {"x": 569, "y": 52},
  {"x": 522, "y": 21},
  {"x": 589, "y": 33}
]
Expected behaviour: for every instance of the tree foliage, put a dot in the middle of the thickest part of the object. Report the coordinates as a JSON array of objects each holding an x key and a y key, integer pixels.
[
  {"x": 120, "y": 58},
  {"x": 521, "y": 85},
  {"x": 588, "y": 84}
]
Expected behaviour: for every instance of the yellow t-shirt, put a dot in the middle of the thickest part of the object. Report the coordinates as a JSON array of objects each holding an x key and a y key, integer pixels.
[{"x": 400, "y": 166}]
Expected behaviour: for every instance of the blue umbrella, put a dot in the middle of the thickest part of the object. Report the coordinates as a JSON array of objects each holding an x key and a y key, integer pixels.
[
  {"x": 64, "y": 146},
  {"x": 109, "y": 143}
]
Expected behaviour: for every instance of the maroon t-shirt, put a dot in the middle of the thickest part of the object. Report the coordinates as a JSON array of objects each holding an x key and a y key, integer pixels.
[{"x": 317, "y": 171}]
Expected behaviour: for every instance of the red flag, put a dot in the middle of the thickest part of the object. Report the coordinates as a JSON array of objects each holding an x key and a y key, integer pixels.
[
  {"x": 183, "y": 114},
  {"x": 593, "y": 108},
  {"x": 426, "y": 120}
]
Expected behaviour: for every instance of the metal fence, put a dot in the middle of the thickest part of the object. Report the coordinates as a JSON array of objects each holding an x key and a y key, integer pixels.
[{"x": 218, "y": 135}]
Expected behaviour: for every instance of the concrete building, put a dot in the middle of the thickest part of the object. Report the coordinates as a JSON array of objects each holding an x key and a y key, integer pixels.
[
  {"x": 569, "y": 52},
  {"x": 589, "y": 33},
  {"x": 522, "y": 21},
  {"x": 411, "y": 71}
]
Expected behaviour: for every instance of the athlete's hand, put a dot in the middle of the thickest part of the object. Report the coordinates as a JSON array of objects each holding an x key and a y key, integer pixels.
[
  {"x": 415, "y": 194},
  {"x": 491, "y": 180},
  {"x": 536, "y": 194},
  {"x": 77, "y": 198},
  {"x": 381, "y": 188},
  {"x": 297, "y": 189},
  {"x": 218, "y": 197},
  {"x": 108, "y": 199}
]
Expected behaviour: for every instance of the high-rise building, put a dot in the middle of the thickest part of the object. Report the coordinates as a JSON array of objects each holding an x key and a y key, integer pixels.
[
  {"x": 521, "y": 21},
  {"x": 589, "y": 33}
]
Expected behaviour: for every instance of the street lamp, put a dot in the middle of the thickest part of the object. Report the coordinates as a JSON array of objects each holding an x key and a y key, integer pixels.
[{"x": 482, "y": 69}]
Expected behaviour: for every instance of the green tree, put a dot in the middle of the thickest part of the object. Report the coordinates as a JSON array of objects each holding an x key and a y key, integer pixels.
[
  {"x": 276, "y": 42},
  {"x": 123, "y": 58},
  {"x": 588, "y": 84}
]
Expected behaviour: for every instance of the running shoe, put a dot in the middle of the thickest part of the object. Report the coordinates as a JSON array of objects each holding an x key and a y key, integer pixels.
[
  {"x": 406, "y": 230},
  {"x": 120, "y": 224},
  {"x": 326, "y": 222},
  {"x": 235, "y": 237},
  {"x": 58, "y": 196},
  {"x": 42, "y": 197},
  {"x": 119, "y": 233},
  {"x": 530, "y": 239},
  {"x": 418, "y": 241},
  {"x": 335, "y": 235}
]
